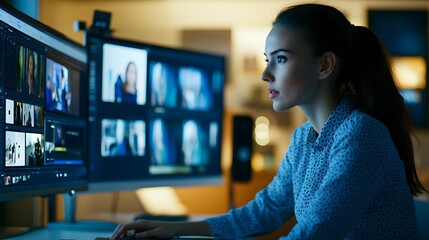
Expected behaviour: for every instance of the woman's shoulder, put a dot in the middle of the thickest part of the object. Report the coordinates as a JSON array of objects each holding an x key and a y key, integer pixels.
[{"x": 361, "y": 123}]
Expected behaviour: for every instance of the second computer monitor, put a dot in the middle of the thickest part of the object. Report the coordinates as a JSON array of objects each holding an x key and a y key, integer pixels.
[{"x": 155, "y": 115}]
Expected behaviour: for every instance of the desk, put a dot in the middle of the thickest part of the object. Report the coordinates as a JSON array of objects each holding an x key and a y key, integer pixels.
[
  {"x": 87, "y": 230},
  {"x": 69, "y": 231}
]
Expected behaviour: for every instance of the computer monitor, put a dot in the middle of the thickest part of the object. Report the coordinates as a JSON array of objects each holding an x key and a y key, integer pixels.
[
  {"x": 43, "y": 109},
  {"x": 155, "y": 115}
]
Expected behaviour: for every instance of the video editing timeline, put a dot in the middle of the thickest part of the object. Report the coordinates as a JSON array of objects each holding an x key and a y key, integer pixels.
[
  {"x": 155, "y": 111},
  {"x": 42, "y": 116}
]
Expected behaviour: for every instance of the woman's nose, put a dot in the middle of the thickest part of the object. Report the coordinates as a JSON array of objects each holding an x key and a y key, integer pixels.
[{"x": 266, "y": 75}]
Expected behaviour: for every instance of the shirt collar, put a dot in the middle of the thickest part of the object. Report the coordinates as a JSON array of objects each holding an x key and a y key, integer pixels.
[{"x": 340, "y": 112}]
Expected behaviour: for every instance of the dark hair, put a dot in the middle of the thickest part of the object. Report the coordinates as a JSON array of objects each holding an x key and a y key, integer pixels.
[{"x": 364, "y": 71}]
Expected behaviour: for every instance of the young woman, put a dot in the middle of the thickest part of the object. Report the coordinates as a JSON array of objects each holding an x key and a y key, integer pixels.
[
  {"x": 349, "y": 171},
  {"x": 126, "y": 91}
]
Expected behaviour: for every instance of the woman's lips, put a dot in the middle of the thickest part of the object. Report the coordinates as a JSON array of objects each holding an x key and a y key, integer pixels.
[{"x": 273, "y": 93}]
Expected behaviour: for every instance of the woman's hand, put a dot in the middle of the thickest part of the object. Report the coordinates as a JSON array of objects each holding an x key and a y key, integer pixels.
[
  {"x": 147, "y": 229},
  {"x": 161, "y": 230}
]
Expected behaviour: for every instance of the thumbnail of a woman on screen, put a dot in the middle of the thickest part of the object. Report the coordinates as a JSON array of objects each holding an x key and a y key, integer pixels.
[
  {"x": 30, "y": 73},
  {"x": 159, "y": 143},
  {"x": 194, "y": 144},
  {"x": 58, "y": 95},
  {"x": 137, "y": 139},
  {"x": 61, "y": 93},
  {"x": 32, "y": 83},
  {"x": 195, "y": 94},
  {"x": 163, "y": 79},
  {"x": 126, "y": 90},
  {"x": 124, "y": 75}
]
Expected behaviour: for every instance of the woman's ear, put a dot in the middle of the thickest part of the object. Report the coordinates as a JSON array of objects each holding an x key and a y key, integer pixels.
[{"x": 327, "y": 65}]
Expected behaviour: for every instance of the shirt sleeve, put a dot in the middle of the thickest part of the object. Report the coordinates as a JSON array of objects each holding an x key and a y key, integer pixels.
[
  {"x": 270, "y": 208},
  {"x": 353, "y": 179}
]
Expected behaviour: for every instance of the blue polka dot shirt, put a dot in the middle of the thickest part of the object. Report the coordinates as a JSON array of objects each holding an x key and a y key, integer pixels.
[{"x": 346, "y": 183}]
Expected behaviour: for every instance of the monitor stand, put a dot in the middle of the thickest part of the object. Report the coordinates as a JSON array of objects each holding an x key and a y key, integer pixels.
[{"x": 70, "y": 207}]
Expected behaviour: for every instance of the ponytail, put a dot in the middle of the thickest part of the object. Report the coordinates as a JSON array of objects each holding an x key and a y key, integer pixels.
[{"x": 375, "y": 90}]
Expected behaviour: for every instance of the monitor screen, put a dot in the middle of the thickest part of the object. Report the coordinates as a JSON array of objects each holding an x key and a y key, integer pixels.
[
  {"x": 43, "y": 109},
  {"x": 155, "y": 115}
]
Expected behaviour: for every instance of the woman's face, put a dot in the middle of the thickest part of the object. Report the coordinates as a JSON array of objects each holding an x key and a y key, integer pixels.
[
  {"x": 292, "y": 69},
  {"x": 131, "y": 74}
]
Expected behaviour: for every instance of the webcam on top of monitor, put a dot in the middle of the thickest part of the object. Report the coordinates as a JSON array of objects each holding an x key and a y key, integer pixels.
[{"x": 100, "y": 24}]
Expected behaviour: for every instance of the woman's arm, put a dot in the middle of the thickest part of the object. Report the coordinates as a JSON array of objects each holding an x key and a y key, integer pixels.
[{"x": 270, "y": 208}]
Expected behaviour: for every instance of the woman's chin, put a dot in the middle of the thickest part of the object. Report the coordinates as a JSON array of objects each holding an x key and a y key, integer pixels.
[
  {"x": 277, "y": 107},
  {"x": 280, "y": 107}
]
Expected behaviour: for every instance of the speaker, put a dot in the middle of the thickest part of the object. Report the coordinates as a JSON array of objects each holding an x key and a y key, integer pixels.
[{"x": 241, "y": 169}]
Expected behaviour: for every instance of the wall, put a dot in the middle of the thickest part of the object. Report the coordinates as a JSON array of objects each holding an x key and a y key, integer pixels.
[{"x": 162, "y": 22}]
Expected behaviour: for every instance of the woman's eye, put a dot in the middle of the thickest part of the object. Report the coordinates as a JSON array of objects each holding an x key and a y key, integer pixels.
[
  {"x": 281, "y": 59},
  {"x": 266, "y": 60}
]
